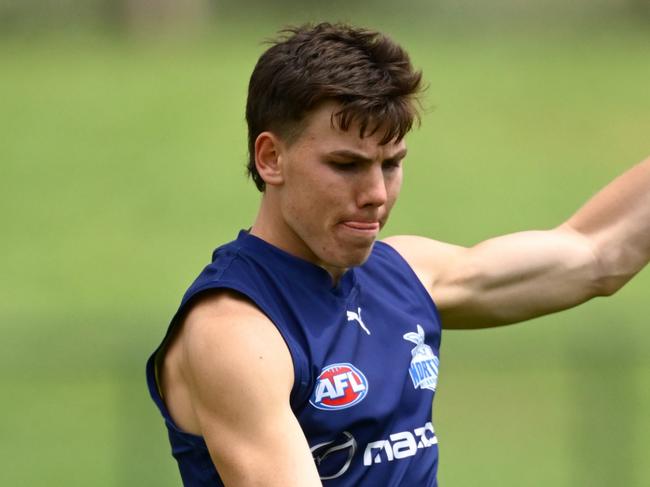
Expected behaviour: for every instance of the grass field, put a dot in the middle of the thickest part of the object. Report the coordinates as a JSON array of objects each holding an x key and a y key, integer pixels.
[{"x": 121, "y": 168}]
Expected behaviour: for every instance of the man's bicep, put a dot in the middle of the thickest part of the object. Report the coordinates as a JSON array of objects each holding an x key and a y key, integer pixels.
[
  {"x": 240, "y": 375},
  {"x": 513, "y": 278},
  {"x": 509, "y": 278}
]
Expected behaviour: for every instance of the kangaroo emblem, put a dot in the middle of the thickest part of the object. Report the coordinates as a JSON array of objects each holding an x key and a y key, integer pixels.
[
  {"x": 352, "y": 316},
  {"x": 424, "y": 363}
]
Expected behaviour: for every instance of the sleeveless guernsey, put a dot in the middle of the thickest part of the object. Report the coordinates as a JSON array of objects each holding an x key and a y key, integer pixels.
[{"x": 365, "y": 355}]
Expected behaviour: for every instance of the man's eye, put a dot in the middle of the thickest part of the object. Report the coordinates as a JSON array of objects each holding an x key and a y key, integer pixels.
[
  {"x": 343, "y": 166},
  {"x": 389, "y": 165}
]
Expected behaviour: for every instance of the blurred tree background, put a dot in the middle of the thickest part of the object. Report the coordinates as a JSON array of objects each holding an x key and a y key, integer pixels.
[{"x": 122, "y": 153}]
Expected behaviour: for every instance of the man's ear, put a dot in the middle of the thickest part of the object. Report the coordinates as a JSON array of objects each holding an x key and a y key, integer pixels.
[{"x": 268, "y": 158}]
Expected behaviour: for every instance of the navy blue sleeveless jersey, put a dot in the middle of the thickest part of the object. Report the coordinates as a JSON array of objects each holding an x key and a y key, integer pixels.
[{"x": 365, "y": 356}]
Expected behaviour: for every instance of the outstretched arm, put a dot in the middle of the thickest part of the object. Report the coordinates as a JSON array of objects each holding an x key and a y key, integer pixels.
[{"x": 528, "y": 274}]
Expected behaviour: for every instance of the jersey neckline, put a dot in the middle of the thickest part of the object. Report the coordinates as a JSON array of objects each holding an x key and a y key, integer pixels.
[{"x": 309, "y": 273}]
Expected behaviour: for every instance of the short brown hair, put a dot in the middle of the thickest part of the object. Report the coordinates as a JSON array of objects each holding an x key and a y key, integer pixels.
[{"x": 368, "y": 74}]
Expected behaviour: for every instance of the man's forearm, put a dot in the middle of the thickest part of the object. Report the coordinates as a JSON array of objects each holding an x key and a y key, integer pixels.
[{"x": 617, "y": 222}]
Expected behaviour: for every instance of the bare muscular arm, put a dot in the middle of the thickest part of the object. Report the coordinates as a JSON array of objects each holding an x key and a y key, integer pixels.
[
  {"x": 227, "y": 376},
  {"x": 528, "y": 274}
]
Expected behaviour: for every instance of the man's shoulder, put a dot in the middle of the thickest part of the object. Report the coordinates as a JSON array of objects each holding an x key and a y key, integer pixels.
[
  {"x": 220, "y": 330},
  {"x": 224, "y": 343},
  {"x": 426, "y": 256},
  {"x": 221, "y": 305}
]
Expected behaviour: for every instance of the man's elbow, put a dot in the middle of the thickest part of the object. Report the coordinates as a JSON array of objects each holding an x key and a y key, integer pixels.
[
  {"x": 615, "y": 266},
  {"x": 608, "y": 263}
]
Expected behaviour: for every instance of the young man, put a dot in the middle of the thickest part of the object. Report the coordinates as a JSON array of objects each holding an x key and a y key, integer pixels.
[{"x": 306, "y": 353}]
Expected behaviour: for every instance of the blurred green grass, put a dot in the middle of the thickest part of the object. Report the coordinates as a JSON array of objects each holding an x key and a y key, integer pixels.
[{"x": 122, "y": 167}]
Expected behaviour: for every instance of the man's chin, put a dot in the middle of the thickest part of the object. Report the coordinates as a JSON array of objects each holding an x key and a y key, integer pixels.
[{"x": 358, "y": 256}]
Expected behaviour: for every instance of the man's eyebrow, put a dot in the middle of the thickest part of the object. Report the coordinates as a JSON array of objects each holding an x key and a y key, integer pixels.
[
  {"x": 398, "y": 156},
  {"x": 361, "y": 157}
]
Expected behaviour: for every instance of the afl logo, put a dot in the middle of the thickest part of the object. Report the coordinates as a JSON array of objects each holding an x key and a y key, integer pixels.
[{"x": 339, "y": 386}]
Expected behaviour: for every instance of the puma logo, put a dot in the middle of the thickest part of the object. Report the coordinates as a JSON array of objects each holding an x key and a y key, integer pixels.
[{"x": 352, "y": 316}]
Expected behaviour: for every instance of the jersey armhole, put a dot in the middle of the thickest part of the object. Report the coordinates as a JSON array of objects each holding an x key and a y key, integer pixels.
[
  {"x": 298, "y": 359},
  {"x": 409, "y": 269}
]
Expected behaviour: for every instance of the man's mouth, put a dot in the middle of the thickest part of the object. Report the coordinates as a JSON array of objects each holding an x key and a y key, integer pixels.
[{"x": 362, "y": 226}]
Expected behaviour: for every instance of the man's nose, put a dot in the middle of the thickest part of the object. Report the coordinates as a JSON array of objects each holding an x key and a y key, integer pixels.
[{"x": 372, "y": 188}]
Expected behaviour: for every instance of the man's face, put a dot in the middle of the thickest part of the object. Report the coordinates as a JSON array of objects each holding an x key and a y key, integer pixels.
[{"x": 337, "y": 191}]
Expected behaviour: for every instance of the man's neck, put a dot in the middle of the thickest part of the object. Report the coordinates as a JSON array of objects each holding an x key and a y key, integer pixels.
[{"x": 274, "y": 231}]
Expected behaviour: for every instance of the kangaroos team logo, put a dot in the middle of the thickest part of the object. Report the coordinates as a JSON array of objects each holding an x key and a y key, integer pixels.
[
  {"x": 339, "y": 386},
  {"x": 424, "y": 363}
]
